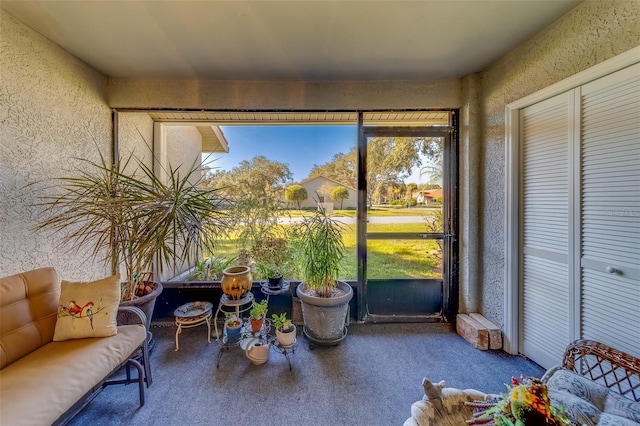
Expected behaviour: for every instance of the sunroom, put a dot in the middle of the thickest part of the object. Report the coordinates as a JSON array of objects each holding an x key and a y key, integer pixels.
[{"x": 528, "y": 240}]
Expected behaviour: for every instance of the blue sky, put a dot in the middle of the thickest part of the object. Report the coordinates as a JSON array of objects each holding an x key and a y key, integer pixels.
[{"x": 300, "y": 147}]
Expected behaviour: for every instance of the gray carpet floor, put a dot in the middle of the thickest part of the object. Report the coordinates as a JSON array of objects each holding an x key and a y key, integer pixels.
[{"x": 371, "y": 378}]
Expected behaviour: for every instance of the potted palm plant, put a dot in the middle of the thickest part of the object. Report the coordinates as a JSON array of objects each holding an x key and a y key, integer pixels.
[
  {"x": 324, "y": 298},
  {"x": 128, "y": 216}
]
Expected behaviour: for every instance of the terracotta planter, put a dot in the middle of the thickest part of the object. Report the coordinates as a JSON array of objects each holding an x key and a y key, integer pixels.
[
  {"x": 256, "y": 325},
  {"x": 236, "y": 281}
]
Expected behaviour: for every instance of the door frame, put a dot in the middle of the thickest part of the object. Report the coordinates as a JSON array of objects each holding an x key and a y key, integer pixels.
[
  {"x": 513, "y": 190},
  {"x": 450, "y": 217}
]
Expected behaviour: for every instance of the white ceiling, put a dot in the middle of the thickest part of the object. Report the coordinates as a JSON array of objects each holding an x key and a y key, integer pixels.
[{"x": 289, "y": 40}]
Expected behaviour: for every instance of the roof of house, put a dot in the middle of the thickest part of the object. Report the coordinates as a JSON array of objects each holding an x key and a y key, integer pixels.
[
  {"x": 309, "y": 179},
  {"x": 432, "y": 193}
]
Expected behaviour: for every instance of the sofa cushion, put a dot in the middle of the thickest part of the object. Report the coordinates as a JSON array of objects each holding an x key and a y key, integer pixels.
[
  {"x": 40, "y": 387},
  {"x": 88, "y": 309},
  {"x": 588, "y": 402},
  {"x": 28, "y": 307}
]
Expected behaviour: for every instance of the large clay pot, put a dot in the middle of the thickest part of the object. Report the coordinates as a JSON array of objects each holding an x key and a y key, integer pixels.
[
  {"x": 325, "y": 317},
  {"x": 146, "y": 302},
  {"x": 236, "y": 281}
]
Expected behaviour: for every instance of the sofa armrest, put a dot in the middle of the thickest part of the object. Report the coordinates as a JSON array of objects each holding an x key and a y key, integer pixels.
[
  {"x": 128, "y": 315},
  {"x": 603, "y": 364}
]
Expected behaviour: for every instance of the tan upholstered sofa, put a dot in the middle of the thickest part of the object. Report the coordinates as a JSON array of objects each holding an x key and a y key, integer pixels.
[{"x": 43, "y": 382}]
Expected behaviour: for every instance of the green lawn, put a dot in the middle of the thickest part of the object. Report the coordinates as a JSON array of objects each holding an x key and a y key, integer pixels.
[
  {"x": 375, "y": 211},
  {"x": 385, "y": 258}
]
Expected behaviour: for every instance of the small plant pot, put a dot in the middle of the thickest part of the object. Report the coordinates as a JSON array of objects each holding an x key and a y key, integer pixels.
[
  {"x": 287, "y": 338},
  {"x": 233, "y": 332},
  {"x": 275, "y": 282},
  {"x": 256, "y": 325}
]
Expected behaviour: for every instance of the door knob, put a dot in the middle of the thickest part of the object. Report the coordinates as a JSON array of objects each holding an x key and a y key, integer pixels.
[{"x": 612, "y": 270}]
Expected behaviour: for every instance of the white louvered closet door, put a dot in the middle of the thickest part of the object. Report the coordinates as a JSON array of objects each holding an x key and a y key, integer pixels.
[
  {"x": 546, "y": 135},
  {"x": 610, "y": 216}
]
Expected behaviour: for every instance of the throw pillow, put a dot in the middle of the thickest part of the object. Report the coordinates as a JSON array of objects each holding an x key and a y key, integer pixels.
[{"x": 88, "y": 309}]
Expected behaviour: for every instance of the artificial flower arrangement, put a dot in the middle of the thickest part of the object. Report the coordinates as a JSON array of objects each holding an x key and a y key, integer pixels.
[{"x": 527, "y": 403}]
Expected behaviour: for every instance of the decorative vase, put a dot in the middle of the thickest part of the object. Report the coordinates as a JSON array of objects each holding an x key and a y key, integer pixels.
[
  {"x": 236, "y": 281},
  {"x": 287, "y": 338}
]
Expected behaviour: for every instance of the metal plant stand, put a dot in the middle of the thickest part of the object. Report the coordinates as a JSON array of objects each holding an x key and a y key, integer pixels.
[
  {"x": 238, "y": 306},
  {"x": 284, "y": 350},
  {"x": 247, "y": 333},
  {"x": 191, "y": 315},
  {"x": 267, "y": 290}
]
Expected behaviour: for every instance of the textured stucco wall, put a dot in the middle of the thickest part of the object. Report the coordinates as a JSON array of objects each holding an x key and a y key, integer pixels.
[
  {"x": 135, "y": 136},
  {"x": 591, "y": 33},
  {"x": 184, "y": 146},
  {"x": 468, "y": 195},
  {"x": 52, "y": 109},
  {"x": 283, "y": 95}
]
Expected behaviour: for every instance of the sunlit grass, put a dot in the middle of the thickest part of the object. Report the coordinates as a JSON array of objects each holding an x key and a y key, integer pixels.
[
  {"x": 385, "y": 258},
  {"x": 393, "y": 258},
  {"x": 376, "y": 211}
]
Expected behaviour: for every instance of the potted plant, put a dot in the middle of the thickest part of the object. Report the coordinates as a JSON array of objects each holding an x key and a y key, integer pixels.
[
  {"x": 232, "y": 327},
  {"x": 273, "y": 259},
  {"x": 285, "y": 330},
  {"x": 128, "y": 216},
  {"x": 257, "y": 314},
  {"x": 218, "y": 264},
  {"x": 325, "y": 300},
  {"x": 202, "y": 270}
]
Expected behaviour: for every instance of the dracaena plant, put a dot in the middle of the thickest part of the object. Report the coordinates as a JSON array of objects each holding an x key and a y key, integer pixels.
[
  {"x": 321, "y": 250},
  {"x": 126, "y": 214}
]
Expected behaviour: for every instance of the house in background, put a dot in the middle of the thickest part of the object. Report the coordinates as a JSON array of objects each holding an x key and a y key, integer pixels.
[
  {"x": 429, "y": 196},
  {"x": 319, "y": 190},
  {"x": 66, "y": 89}
]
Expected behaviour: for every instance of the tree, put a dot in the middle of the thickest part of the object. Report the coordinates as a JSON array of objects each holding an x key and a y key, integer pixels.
[
  {"x": 259, "y": 177},
  {"x": 255, "y": 188},
  {"x": 389, "y": 162},
  {"x": 339, "y": 193},
  {"x": 296, "y": 194},
  {"x": 411, "y": 187}
]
